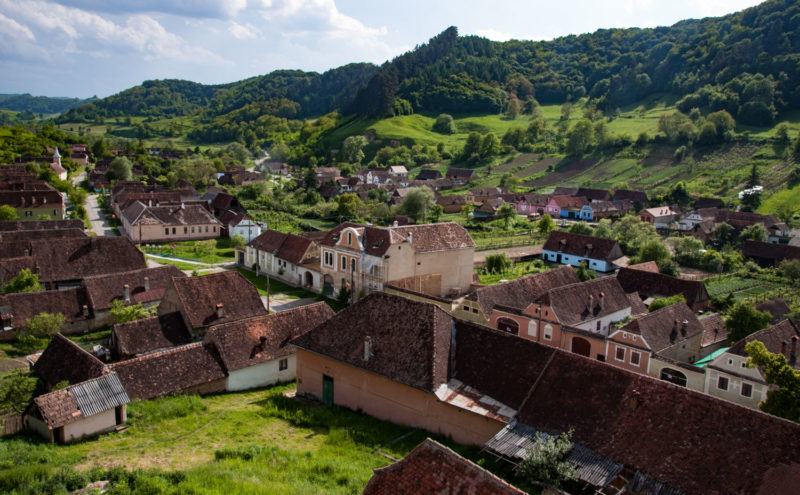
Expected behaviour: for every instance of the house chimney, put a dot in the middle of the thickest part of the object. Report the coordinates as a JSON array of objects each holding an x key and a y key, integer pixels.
[
  {"x": 126, "y": 293},
  {"x": 590, "y": 303},
  {"x": 684, "y": 327},
  {"x": 147, "y": 283},
  {"x": 395, "y": 223},
  {"x": 367, "y": 348},
  {"x": 220, "y": 311},
  {"x": 673, "y": 335},
  {"x": 602, "y": 301},
  {"x": 85, "y": 311}
]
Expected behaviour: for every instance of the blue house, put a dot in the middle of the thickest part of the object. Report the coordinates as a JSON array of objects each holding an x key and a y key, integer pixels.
[
  {"x": 595, "y": 253},
  {"x": 587, "y": 212}
]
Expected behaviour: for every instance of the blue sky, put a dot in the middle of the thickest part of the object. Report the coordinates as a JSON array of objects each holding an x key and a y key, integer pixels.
[{"x": 100, "y": 47}]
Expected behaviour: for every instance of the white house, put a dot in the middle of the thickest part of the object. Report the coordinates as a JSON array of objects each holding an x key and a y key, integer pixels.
[
  {"x": 256, "y": 351},
  {"x": 246, "y": 228},
  {"x": 288, "y": 257}
]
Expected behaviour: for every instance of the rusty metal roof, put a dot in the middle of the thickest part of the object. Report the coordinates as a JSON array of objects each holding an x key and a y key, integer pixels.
[{"x": 458, "y": 394}]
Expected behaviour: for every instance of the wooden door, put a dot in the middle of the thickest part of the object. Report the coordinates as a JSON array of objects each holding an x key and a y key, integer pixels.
[{"x": 327, "y": 390}]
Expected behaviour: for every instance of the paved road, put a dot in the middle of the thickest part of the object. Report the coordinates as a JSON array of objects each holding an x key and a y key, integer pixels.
[
  {"x": 100, "y": 225},
  {"x": 280, "y": 302}
]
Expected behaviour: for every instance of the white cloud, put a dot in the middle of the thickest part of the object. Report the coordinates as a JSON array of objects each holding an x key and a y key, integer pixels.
[
  {"x": 493, "y": 34},
  {"x": 14, "y": 30},
  {"x": 67, "y": 30},
  {"x": 240, "y": 32},
  {"x": 216, "y": 9}
]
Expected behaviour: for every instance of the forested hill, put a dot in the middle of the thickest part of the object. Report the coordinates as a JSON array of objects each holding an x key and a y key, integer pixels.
[
  {"x": 747, "y": 63},
  {"x": 40, "y": 104}
]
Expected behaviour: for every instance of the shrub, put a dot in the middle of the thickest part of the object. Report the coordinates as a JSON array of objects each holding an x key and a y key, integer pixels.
[
  {"x": 663, "y": 302},
  {"x": 497, "y": 263}
]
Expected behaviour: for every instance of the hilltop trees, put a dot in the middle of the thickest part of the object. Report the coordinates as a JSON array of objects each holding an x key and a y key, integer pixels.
[{"x": 444, "y": 124}]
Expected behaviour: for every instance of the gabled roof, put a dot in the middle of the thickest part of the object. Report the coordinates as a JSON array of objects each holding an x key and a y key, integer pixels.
[
  {"x": 32, "y": 199},
  {"x": 149, "y": 334},
  {"x": 583, "y": 245},
  {"x": 772, "y": 337},
  {"x": 410, "y": 340},
  {"x": 424, "y": 238},
  {"x": 593, "y": 194},
  {"x": 428, "y": 174},
  {"x": 62, "y": 359},
  {"x": 635, "y": 196},
  {"x": 684, "y": 439},
  {"x": 571, "y": 302},
  {"x": 767, "y": 250},
  {"x": 451, "y": 199},
  {"x": 247, "y": 342},
  {"x": 433, "y": 468},
  {"x": 17, "y": 225},
  {"x": 520, "y": 293},
  {"x": 704, "y": 202},
  {"x": 81, "y": 400},
  {"x": 199, "y": 297},
  {"x": 175, "y": 214},
  {"x": 565, "y": 202},
  {"x": 31, "y": 235},
  {"x": 649, "y": 284},
  {"x": 713, "y": 329},
  {"x": 76, "y": 258},
  {"x": 776, "y": 307},
  {"x": 648, "y": 266},
  {"x": 26, "y": 305},
  {"x": 661, "y": 211},
  {"x": 103, "y": 289},
  {"x": 290, "y": 247},
  {"x": 667, "y": 326},
  {"x": 460, "y": 172},
  {"x": 169, "y": 371}
]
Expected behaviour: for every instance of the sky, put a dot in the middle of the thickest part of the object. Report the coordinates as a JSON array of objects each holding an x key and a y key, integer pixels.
[{"x": 81, "y": 48}]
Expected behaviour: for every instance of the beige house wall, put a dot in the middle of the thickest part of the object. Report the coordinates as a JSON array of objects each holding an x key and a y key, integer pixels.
[
  {"x": 40, "y": 427},
  {"x": 687, "y": 351},
  {"x": 54, "y": 211},
  {"x": 730, "y": 366},
  {"x": 156, "y": 233},
  {"x": 390, "y": 400},
  {"x": 695, "y": 380},
  {"x": 93, "y": 425}
]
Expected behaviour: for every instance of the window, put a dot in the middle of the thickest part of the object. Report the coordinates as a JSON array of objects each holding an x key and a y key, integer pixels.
[
  {"x": 466, "y": 308},
  {"x": 186, "y": 230},
  {"x": 173, "y": 230},
  {"x": 28, "y": 213},
  {"x": 352, "y": 264},
  {"x": 635, "y": 357},
  {"x": 55, "y": 212},
  {"x": 722, "y": 383},
  {"x": 532, "y": 328},
  {"x": 747, "y": 390},
  {"x": 620, "y": 354},
  {"x": 206, "y": 228},
  {"x": 166, "y": 231},
  {"x": 475, "y": 310},
  {"x": 344, "y": 263},
  {"x": 283, "y": 364},
  {"x": 548, "y": 332},
  {"x": 192, "y": 230},
  {"x": 215, "y": 228},
  {"x": 598, "y": 325},
  {"x": 349, "y": 237}
]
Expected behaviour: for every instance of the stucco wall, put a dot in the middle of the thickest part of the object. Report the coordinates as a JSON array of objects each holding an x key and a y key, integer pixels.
[
  {"x": 261, "y": 375},
  {"x": 39, "y": 427},
  {"x": 392, "y": 401},
  {"x": 156, "y": 233},
  {"x": 738, "y": 374},
  {"x": 568, "y": 259},
  {"x": 695, "y": 380},
  {"x": 98, "y": 423},
  {"x": 54, "y": 211},
  {"x": 627, "y": 363}
]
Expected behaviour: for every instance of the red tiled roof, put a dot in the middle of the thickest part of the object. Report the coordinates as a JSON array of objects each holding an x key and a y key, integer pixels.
[
  {"x": 769, "y": 251},
  {"x": 62, "y": 359},
  {"x": 432, "y": 468},
  {"x": 649, "y": 284},
  {"x": 583, "y": 245},
  {"x": 689, "y": 441},
  {"x": 410, "y": 340},
  {"x": 26, "y": 305},
  {"x": 664, "y": 328},
  {"x": 157, "y": 332},
  {"x": 713, "y": 329},
  {"x": 103, "y": 289},
  {"x": 648, "y": 266},
  {"x": 169, "y": 371},
  {"x": 77, "y": 258},
  {"x": 570, "y": 302},
  {"x": 199, "y": 297},
  {"x": 290, "y": 247},
  {"x": 776, "y": 307},
  {"x": 17, "y": 225},
  {"x": 434, "y": 237},
  {"x": 772, "y": 337},
  {"x": 240, "y": 343},
  {"x": 31, "y": 235},
  {"x": 520, "y": 293}
]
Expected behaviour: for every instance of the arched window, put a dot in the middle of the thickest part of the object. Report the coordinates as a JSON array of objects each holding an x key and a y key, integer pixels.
[
  {"x": 508, "y": 325},
  {"x": 673, "y": 376},
  {"x": 532, "y": 328}
]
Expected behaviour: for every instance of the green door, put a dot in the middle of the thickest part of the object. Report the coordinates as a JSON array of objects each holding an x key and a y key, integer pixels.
[{"x": 327, "y": 390}]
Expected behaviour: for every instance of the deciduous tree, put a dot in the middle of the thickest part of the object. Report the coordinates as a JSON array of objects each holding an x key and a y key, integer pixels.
[
  {"x": 25, "y": 281},
  {"x": 8, "y": 213},
  {"x": 744, "y": 319},
  {"x": 783, "y": 401}
]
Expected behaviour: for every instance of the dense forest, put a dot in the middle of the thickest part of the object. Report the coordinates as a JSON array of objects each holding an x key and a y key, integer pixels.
[
  {"x": 40, "y": 104},
  {"x": 745, "y": 63}
]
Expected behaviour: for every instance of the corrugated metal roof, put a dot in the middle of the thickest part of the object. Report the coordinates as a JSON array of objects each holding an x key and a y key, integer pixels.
[
  {"x": 515, "y": 440},
  {"x": 463, "y": 396},
  {"x": 99, "y": 394},
  {"x": 641, "y": 483}
]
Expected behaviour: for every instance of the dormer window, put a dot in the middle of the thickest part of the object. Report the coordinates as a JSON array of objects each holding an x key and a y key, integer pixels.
[{"x": 349, "y": 237}]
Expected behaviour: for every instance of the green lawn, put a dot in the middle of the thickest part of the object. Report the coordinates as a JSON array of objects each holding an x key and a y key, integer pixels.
[
  {"x": 252, "y": 442},
  {"x": 214, "y": 251},
  {"x": 278, "y": 287}
]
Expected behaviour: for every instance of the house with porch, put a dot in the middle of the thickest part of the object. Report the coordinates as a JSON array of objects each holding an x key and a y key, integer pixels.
[
  {"x": 596, "y": 253},
  {"x": 435, "y": 259}
]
